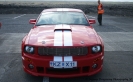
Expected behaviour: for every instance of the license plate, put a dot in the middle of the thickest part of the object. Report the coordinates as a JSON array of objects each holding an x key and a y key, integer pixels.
[{"x": 61, "y": 64}]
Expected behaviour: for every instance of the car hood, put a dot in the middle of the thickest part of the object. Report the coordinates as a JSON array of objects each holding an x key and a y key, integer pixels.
[{"x": 62, "y": 35}]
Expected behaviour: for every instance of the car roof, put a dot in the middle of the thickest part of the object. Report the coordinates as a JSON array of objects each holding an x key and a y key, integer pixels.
[{"x": 61, "y": 9}]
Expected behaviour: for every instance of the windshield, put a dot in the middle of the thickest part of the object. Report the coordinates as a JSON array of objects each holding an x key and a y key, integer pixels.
[{"x": 54, "y": 18}]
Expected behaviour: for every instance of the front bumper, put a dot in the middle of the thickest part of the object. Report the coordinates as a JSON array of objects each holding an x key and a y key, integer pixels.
[{"x": 42, "y": 67}]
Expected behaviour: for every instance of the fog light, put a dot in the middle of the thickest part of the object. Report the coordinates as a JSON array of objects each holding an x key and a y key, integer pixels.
[
  {"x": 94, "y": 66},
  {"x": 31, "y": 66}
]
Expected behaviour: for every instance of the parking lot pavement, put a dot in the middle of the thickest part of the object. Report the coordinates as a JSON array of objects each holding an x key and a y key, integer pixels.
[{"x": 117, "y": 34}]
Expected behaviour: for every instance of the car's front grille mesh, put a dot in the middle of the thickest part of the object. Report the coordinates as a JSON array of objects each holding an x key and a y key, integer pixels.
[{"x": 71, "y": 51}]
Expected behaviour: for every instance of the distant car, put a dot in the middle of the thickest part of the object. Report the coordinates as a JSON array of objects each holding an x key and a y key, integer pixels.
[{"x": 62, "y": 44}]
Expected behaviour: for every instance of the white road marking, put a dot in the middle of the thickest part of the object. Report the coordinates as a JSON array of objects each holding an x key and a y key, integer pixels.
[
  {"x": 45, "y": 79},
  {"x": 19, "y": 16}
]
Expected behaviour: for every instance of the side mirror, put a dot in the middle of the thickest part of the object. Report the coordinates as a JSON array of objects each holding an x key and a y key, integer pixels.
[
  {"x": 0, "y": 25},
  {"x": 32, "y": 21},
  {"x": 92, "y": 21}
]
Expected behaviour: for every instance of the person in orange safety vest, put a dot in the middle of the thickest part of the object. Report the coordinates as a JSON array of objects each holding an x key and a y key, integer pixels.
[{"x": 100, "y": 12}]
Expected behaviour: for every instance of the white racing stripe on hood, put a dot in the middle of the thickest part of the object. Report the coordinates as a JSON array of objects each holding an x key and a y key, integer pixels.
[
  {"x": 68, "y": 38},
  {"x": 58, "y": 38},
  {"x": 68, "y": 58},
  {"x": 58, "y": 42},
  {"x": 68, "y": 42},
  {"x": 58, "y": 58}
]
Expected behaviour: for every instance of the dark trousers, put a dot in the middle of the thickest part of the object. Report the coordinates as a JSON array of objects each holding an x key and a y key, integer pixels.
[{"x": 99, "y": 18}]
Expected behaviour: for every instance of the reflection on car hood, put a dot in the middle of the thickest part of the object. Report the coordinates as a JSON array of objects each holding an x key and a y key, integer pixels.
[{"x": 62, "y": 35}]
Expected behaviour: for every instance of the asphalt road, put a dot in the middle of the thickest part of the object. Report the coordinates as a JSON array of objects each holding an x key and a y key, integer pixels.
[{"x": 117, "y": 33}]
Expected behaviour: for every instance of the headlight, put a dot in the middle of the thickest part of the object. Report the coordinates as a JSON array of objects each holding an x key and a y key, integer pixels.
[
  {"x": 29, "y": 49},
  {"x": 96, "y": 49}
]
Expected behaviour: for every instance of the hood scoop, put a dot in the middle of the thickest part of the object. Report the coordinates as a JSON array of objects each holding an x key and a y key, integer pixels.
[{"x": 62, "y": 27}]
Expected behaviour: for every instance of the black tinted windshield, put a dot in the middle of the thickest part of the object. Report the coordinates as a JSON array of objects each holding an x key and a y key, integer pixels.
[{"x": 54, "y": 18}]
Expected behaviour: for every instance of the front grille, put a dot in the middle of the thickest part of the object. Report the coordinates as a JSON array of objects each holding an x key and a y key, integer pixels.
[{"x": 71, "y": 51}]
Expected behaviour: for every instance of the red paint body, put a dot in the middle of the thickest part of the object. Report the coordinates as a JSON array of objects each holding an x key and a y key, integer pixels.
[{"x": 79, "y": 33}]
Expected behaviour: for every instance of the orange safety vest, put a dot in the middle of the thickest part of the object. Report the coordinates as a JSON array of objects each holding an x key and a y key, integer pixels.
[{"x": 100, "y": 9}]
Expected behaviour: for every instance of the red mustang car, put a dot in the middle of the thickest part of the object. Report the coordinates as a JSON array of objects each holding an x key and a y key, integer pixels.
[{"x": 62, "y": 44}]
